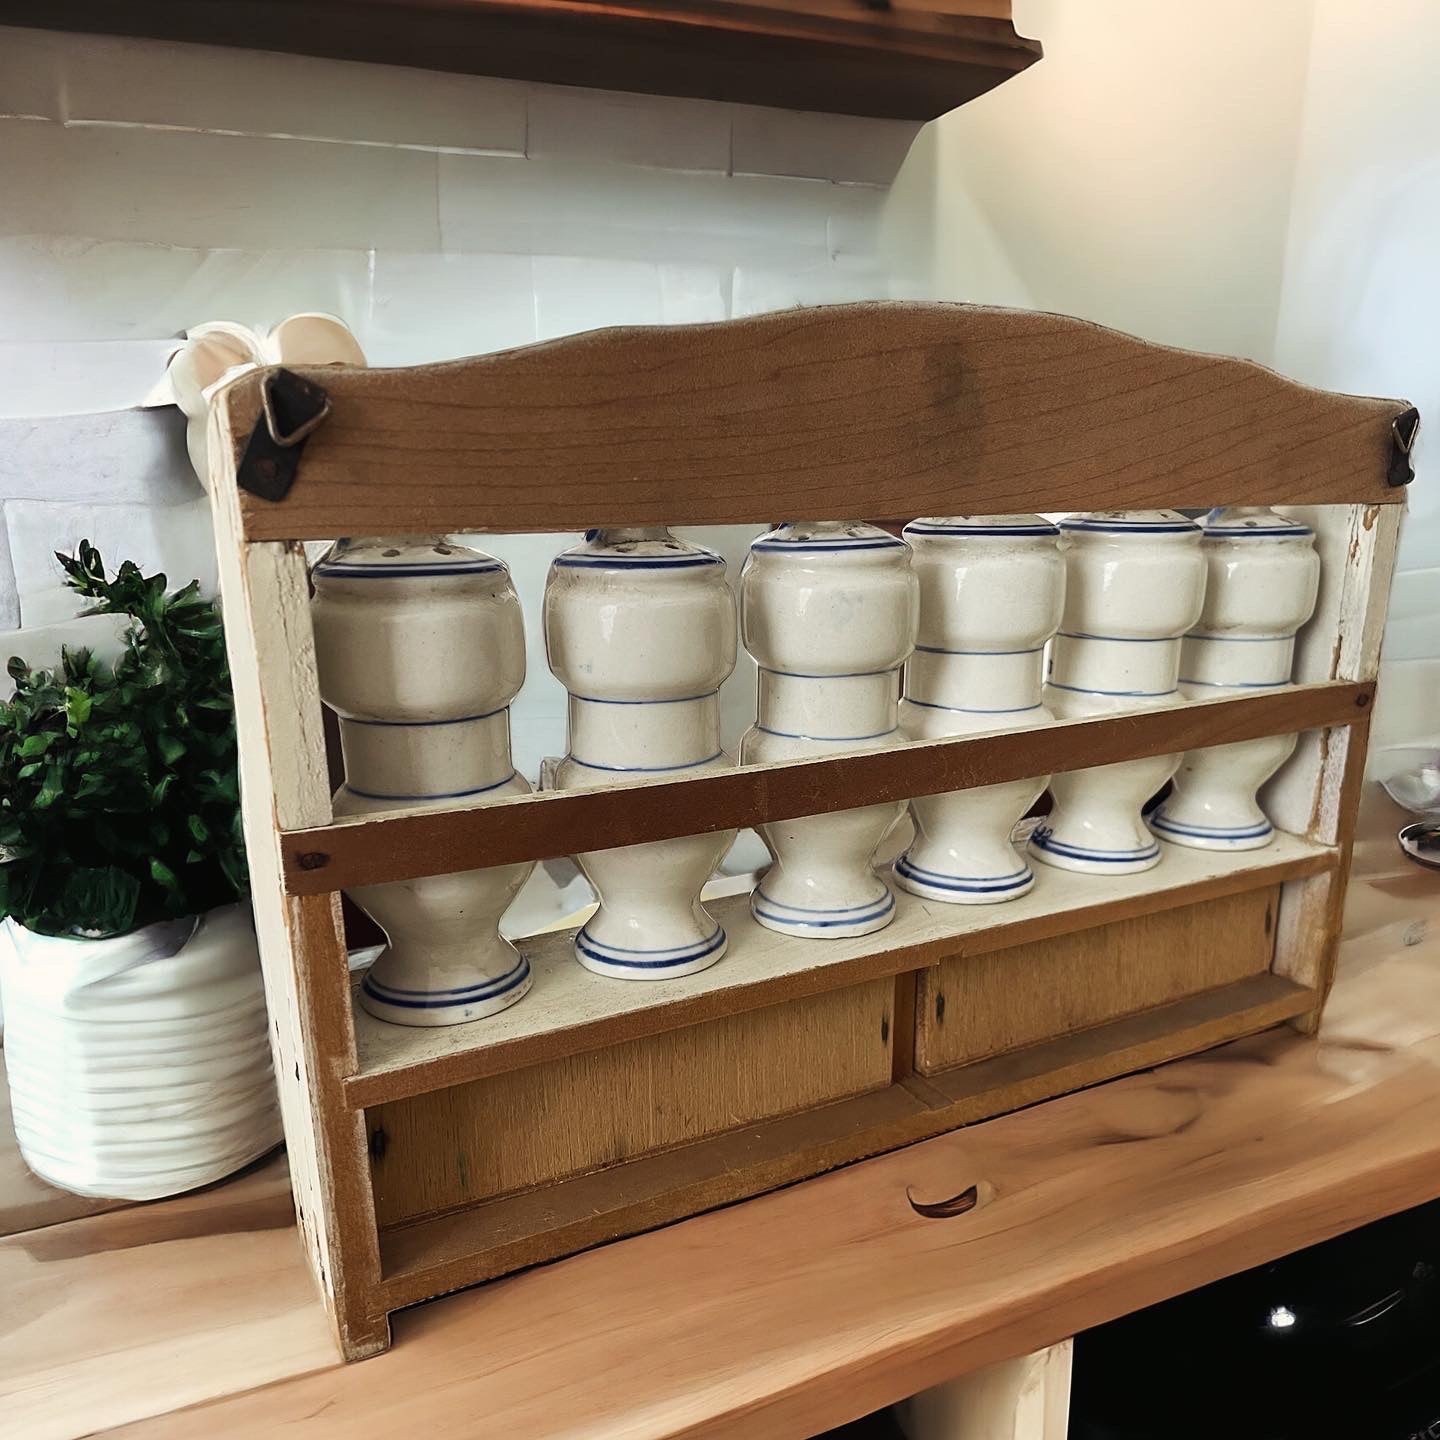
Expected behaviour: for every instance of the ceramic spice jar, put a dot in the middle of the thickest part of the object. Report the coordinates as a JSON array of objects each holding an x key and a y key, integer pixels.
[
  {"x": 991, "y": 590},
  {"x": 640, "y": 629},
  {"x": 420, "y": 650},
  {"x": 829, "y": 611},
  {"x": 1134, "y": 584},
  {"x": 1263, "y": 576}
]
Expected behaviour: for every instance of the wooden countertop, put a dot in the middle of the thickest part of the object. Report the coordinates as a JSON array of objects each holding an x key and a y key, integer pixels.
[{"x": 808, "y": 1307}]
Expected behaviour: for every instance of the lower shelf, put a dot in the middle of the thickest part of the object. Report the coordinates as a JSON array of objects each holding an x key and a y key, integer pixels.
[
  {"x": 450, "y": 1251},
  {"x": 569, "y": 1010}
]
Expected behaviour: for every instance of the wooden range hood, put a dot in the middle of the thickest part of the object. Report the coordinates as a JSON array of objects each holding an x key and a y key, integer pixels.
[{"x": 898, "y": 59}]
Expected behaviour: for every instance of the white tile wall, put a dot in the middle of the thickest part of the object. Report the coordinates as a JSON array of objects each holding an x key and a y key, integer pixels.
[{"x": 156, "y": 186}]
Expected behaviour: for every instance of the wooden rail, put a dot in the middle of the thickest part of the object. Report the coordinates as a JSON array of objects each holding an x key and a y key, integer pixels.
[
  {"x": 877, "y": 409},
  {"x": 406, "y": 844}
]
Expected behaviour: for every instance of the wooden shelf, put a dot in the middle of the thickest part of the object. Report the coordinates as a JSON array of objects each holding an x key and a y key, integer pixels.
[
  {"x": 910, "y": 62},
  {"x": 569, "y": 1010},
  {"x": 468, "y": 1246}
]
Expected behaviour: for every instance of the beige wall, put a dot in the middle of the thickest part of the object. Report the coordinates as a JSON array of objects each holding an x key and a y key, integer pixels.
[{"x": 1140, "y": 175}]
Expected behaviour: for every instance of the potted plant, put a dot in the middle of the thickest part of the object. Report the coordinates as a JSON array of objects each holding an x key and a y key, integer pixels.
[{"x": 135, "y": 1041}]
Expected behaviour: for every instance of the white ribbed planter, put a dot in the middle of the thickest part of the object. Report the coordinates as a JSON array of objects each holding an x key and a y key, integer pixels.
[{"x": 139, "y": 1066}]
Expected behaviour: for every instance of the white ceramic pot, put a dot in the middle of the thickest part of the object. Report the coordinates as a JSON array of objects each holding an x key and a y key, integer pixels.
[
  {"x": 420, "y": 649},
  {"x": 640, "y": 629},
  {"x": 1134, "y": 584},
  {"x": 139, "y": 1066},
  {"x": 991, "y": 591},
  {"x": 829, "y": 611},
  {"x": 1263, "y": 576}
]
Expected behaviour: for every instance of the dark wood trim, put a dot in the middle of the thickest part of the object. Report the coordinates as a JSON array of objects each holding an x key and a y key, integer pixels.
[
  {"x": 909, "y": 63},
  {"x": 404, "y": 845}
]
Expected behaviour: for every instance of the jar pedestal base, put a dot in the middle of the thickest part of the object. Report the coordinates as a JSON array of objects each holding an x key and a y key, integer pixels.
[
  {"x": 824, "y": 923},
  {"x": 1093, "y": 860},
  {"x": 668, "y": 963},
  {"x": 451, "y": 1006},
  {"x": 962, "y": 889}
]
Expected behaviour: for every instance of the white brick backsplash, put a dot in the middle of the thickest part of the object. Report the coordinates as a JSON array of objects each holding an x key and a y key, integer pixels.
[
  {"x": 759, "y": 289},
  {"x": 203, "y": 87},
  {"x": 43, "y": 646},
  {"x": 600, "y": 126},
  {"x": 29, "y": 75},
  {"x": 441, "y": 307},
  {"x": 690, "y": 294},
  {"x": 572, "y": 295},
  {"x": 819, "y": 147},
  {"x": 174, "y": 538},
  {"x": 134, "y": 456},
  {"x": 552, "y": 207},
  {"x": 191, "y": 189},
  {"x": 9, "y": 590},
  {"x": 66, "y": 377},
  {"x": 68, "y": 288}
]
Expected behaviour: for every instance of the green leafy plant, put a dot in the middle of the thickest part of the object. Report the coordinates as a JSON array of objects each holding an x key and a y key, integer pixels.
[{"x": 119, "y": 801}]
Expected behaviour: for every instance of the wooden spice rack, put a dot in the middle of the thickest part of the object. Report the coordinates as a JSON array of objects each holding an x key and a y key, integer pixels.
[{"x": 426, "y": 1160}]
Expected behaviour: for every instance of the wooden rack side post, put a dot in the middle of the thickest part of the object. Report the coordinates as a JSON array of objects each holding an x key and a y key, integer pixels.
[
  {"x": 284, "y": 784},
  {"x": 1318, "y": 793}
]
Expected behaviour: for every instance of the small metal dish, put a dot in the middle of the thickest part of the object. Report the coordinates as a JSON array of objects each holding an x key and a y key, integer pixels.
[{"x": 1421, "y": 842}]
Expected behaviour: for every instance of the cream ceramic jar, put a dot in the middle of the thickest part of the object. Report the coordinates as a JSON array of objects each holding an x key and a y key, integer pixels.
[
  {"x": 640, "y": 629},
  {"x": 1134, "y": 584},
  {"x": 829, "y": 611},
  {"x": 991, "y": 591},
  {"x": 420, "y": 648},
  {"x": 1263, "y": 577}
]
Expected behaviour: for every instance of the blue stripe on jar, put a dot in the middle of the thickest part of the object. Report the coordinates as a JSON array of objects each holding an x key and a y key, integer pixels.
[
  {"x": 1158, "y": 821},
  {"x": 969, "y": 709},
  {"x": 636, "y": 562},
  {"x": 679, "y": 700},
  {"x": 795, "y": 735},
  {"x": 841, "y": 675},
  {"x": 1137, "y": 527},
  {"x": 659, "y": 959},
  {"x": 941, "y": 650},
  {"x": 1241, "y": 532},
  {"x": 441, "y": 795},
  {"x": 425, "y": 724},
  {"x": 820, "y": 547},
  {"x": 1236, "y": 684},
  {"x": 1045, "y": 840},
  {"x": 444, "y": 999},
  {"x": 340, "y": 571},
  {"x": 1118, "y": 694},
  {"x": 847, "y": 915},
  {"x": 644, "y": 769},
  {"x": 918, "y": 528},
  {"x": 970, "y": 884}
]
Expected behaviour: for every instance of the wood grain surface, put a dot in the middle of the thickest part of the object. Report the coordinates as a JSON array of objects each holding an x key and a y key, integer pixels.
[
  {"x": 406, "y": 844},
  {"x": 115, "y": 1317},
  {"x": 877, "y": 410},
  {"x": 975, "y": 1006},
  {"x": 569, "y": 1010},
  {"x": 913, "y": 60},
  {"x": 438, "y": 1151},
  {"x": 743, "y": 1324},
  {"x": 463, "y": 1247}
]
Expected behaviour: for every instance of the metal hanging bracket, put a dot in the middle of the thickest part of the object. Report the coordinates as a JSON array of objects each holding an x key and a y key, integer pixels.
[
  {"x": 1403, "y": 430},
  {"x": 292, "y": 409}
]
